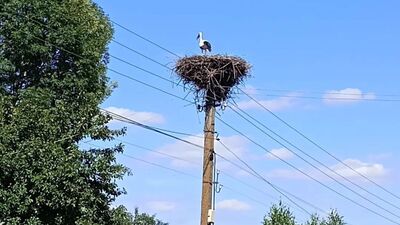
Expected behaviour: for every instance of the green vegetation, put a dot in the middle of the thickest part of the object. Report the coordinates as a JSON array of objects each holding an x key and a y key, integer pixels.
[
  {"x": 48, "y": 103},
  {"x": 53, "y": 57},
  {"x": 123, "y": 217},
  {"x": 281, "y": 215}
]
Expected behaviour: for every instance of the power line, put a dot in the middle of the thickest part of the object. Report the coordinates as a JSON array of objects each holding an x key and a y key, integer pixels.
[
  {"x": 116, "y": 117},
  {"x": 119, "y": 73},
  {"x": 151, "y": 163},
  {"x": 146, "y": 71},
  {"x": 245, "y": 195},
  {"x": 309, "y": 176},
  {"x": 154, "y": 151},
  {"x": 186, "y": 174},
  {"x": 254, "y": 173},
  {"x": 294, "y": 167},
  {"x": 122, "y": 60},
  {"x": 280, "y": 190},
  {"x": 335, "y": 99},
  {"x": 148, "y": 85},
  {"x": 224, "y": 173},
  {"x": 331, "y": 99},
  {"x": 303, "y": 151},
  {"x": 313, "y": 158},
  {"x": 152, "y": 129},
  {"x": 332, "y": 92},
  {"x": 262, "y": 178},
  {"x": 274, "y": 90},
  {"x": 217, "y": 117},
  {"x": 395, "y": 100},
  {"x": 319, "y": 146},
  {"x": 141, "y": 54},
  {"x": 144, "y": 38},
  {"x": 52, "y": 44},
  {"x": 300, "y": 149}
]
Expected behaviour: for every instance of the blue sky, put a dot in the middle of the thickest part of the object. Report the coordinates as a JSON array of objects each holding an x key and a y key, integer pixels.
[{"x": 318, "y": 49}]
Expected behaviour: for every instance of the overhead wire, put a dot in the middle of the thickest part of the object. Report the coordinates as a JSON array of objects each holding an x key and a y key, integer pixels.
[
  {"x": 223, "y": 172},
  {"x": 125, "y": 61},
  {"x": 151, "y": 163},
  {"x": 227, "y": 187},
  {"x": 361, "y": 98},
  {"x": 297, "y": 131},
  {"x": 369, "y": 200},
  {"x": 319, "y": 146},
  {"x": 309, "y": 176},
  {"x": 144, "y": 38},
  {"x": 331, "y": 92},
  {"x": 81, "y": 56},
  {"x": 261, "y": 177},
  {"x": 178, "y": 56},
  {"x": 117, "y": 117},
  {"x": 117, "y": 72},
  {"x": 310, "y": 156},
  {"x": 253, "y": 172}
]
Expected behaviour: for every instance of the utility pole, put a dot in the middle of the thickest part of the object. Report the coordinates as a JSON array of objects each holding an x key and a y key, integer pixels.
[
  {"x": 207, "y": 213},
  {"x": 211, "y": 78}
]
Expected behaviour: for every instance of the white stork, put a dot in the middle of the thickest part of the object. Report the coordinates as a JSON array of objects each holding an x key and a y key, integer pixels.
[{"x": 203, "y": 44}]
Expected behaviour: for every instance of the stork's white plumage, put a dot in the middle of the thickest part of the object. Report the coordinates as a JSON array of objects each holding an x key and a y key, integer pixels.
[{"x": 203, "y": 44}]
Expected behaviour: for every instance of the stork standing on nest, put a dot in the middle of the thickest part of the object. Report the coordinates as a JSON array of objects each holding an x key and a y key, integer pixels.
[{"x": 203, "y": 44}]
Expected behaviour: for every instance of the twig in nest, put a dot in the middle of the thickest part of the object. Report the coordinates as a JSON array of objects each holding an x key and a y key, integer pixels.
[{"x": 212, "y": 76}]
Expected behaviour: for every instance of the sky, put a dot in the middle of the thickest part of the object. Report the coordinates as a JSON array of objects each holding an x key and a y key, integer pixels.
[{"x": 304, "y": 54}]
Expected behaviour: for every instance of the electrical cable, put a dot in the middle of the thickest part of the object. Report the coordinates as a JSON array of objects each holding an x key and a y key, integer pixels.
[
  {"x": 81, "y": 56},
  {"x": 313, "y": 158},
  {"x": 309, "y": 176},
  {"x": 319, "y": 146}
]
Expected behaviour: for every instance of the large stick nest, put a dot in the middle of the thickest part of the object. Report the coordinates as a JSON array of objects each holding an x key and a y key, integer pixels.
[{"x": 212, "y": 77}]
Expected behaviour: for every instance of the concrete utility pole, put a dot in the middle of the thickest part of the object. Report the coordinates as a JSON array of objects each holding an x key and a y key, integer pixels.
[{"x": 207, "y": 213}]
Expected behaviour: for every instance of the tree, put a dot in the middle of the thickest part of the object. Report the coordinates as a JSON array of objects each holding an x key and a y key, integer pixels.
[
  {"x": 279, "y": 215},
  {"x": 53, "y": 57},
  {"x": 314, "y": 220},
  {"x": 334, "y": 219},
  {"x": 122, "y": 217},
  {"x": 146, "y": 219}
]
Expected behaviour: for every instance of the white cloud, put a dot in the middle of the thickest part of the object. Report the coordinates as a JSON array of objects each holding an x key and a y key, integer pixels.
[
  {"x": 346, "y": 96},
  {"x": 277, "y": 104},
  {"x": 282, "y": 153},
  {"x": 250, "y": 90},
  {"x": 142, "y": 117},
  {"x": 233, "y": 205},
  {"x": 194, "y": 155},
  {"x": 161, "y": 206},
  {"x": 370, "y": 170}
]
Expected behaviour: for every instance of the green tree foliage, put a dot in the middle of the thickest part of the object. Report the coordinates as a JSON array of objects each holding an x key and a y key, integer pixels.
[
  {"x": 122, "y": 217},
  {"x": 49, "y": 101},
  {"x": 279, "y": 215},
  {"x": 314, "y": 220},
  {"x": 333, "y": 218},
  {"x": 146, "y": 219}
]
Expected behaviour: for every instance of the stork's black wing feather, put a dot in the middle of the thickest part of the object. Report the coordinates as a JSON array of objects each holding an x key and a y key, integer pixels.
[{"x": 208, "y": 45}]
